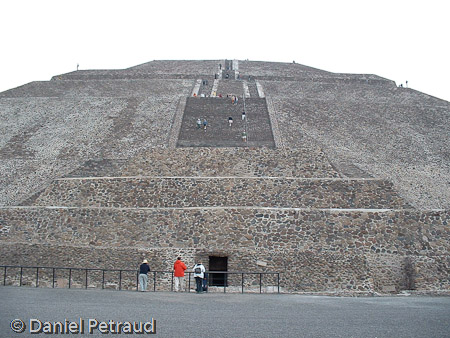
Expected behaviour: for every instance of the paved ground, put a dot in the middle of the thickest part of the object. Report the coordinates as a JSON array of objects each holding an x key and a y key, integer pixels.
[{"x": 231, "y": 315}]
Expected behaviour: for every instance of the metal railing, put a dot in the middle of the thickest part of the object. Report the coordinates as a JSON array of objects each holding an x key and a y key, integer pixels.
[{"x": 21, "y": 272}]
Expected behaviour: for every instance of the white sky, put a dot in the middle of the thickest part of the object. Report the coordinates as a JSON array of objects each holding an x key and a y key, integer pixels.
[{"x": 396, "y": 39}]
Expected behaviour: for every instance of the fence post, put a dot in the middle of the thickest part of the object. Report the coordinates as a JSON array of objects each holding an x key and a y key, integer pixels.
[
  {"x": 260, "y": 281},
  {"x": 120, "y": 280},
  {"x": 225, "y": 284},
  {"x": 70, "y": 277},
  {"x": 189, "y": 283},
  {"x": 171, "y": 286},
  {"x": 53, "y": 278},
  {"x": 103, "y": 279},
  {"x": 86, "y": 279},
  {"x": 21, "y": 272},
  {"x": 4, "y": 277},
  {"x": 154, "y": 281},
  {"x": 137, "y": 280},
  {"x": 278, "y": 274},
  {"x": 37, "y": 276},
  {"x": 242, "y": 282}
]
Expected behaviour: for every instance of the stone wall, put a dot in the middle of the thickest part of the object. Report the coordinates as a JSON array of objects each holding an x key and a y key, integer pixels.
[
  {"x": 157, "y": 192},
  {"x": 46, "y": 138},
  {"x": 222, "y": 162},
  {"x": 396, "y": 133},
  {"x": 157, "y": 88},
  {"x": 317, "y": 250}
]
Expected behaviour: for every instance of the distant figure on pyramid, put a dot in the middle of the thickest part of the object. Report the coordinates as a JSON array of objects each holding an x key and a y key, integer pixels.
[
  {"x": 205, "y": 124},
  {"x": 199, "y": 123},
  {"x": 230, "y": 121},
  {"x": 244, "y": 136}
]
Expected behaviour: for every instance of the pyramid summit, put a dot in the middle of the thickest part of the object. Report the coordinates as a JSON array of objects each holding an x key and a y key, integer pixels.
[{"x": 340, "y": 182}]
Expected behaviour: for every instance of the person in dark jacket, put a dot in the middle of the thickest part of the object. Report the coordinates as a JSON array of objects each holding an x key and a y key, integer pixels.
[{"x": 144, "y": 268}]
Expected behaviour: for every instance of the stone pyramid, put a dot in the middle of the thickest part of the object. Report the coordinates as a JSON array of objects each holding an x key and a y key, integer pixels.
[{"x": 341, "y": 184}]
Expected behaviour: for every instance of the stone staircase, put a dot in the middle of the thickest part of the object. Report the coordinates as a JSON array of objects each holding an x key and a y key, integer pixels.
[
  {"x": 218, "y": 133},
  {"x": 231, "y": 87},
  {"x": 253, "y": 91}
]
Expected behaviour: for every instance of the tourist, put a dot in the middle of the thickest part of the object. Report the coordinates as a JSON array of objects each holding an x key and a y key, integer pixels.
[
  {"x": 178, "y": 268},
  {"x": 235, "y": 99},
  {"x": 144, "y": 268},
  {"x": 199, "y": 271},
  {"x": 199, "y": 123},
  {"x": 244, "y": 136},
  {"x": 205, "y": 124},
  {"x": 243, "y": 115},
  {"x": 230, "y": 121}
]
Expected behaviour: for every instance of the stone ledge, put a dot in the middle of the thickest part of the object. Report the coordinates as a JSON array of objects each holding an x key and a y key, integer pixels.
[{"x": 190, "y": 191}]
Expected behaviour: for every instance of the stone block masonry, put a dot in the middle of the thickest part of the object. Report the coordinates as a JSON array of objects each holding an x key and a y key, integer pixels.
[
  {"x": 163, "y": 192},
  {"x": 303, "y": 161},
  {"x": 317, "y": 250}
]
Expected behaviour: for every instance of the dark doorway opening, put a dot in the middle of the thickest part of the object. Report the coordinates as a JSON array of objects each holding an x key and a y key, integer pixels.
[{"x": 218, "y": 264}]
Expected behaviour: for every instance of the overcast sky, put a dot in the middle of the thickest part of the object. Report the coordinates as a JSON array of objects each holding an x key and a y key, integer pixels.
[{"x": 398, "y": 40}]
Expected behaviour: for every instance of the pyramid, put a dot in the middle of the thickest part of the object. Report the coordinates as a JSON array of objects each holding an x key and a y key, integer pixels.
[{"x": 340, "y": 186}]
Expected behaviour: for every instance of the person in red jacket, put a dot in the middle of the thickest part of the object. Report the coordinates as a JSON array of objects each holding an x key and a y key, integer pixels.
[{"x": 178, "y": 268}]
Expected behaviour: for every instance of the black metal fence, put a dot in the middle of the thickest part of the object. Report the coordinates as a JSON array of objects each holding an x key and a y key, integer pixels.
[{"x": 124, "y": 279}]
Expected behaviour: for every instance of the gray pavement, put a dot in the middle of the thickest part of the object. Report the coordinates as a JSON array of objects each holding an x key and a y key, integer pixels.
[{"x": 230, "y": 315}]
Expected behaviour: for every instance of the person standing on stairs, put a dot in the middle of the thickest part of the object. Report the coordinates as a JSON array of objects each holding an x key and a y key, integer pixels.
[
  {"x": 244, "y": 136},
  {"x": 230, "y": 121}
]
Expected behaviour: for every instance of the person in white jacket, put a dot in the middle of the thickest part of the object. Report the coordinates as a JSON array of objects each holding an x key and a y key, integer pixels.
[{"x": 199, "y": 273}]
